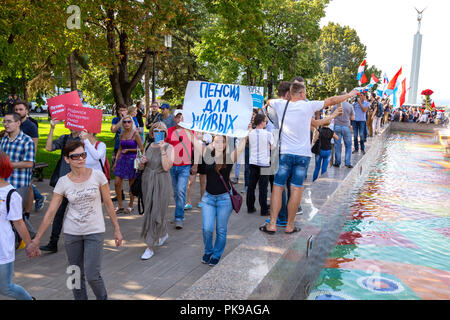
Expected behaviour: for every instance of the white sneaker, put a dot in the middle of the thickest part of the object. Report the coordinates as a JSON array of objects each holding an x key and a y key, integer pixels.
[
  {"x": 147, "y": 254},
  {"x": 163, "y": 239}
]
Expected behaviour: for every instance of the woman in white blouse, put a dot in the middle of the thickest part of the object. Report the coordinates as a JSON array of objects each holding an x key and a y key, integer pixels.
[{"x": 95, "y": 149}]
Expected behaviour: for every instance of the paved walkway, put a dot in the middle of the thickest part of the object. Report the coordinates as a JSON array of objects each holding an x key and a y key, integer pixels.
[{"x": 170, "y": 272}]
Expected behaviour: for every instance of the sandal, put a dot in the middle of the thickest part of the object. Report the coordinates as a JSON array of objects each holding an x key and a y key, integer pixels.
[
  {"x": 296, "y": 229},
  {"x": 263, "y": 228},
  {"x": 120, "y": 210},
  {"x": 129, "y": 210}
]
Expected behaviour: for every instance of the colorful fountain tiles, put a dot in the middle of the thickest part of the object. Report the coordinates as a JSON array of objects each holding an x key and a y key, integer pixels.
[{"x": 395, "y": 245}]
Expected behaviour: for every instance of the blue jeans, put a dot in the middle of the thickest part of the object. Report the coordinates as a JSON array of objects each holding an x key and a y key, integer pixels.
[
  {"x": 37, "y": 195},
  {"x": 321, "y": 160},
  {"x": 7, "y": 287},
  {"x": 359, "y": 128},
  {"x": 180, "y": 177},
  {"x": 216, "y": 211},
  {"x": 293, "y": 166},
  {"x": 343, "y": 132}
]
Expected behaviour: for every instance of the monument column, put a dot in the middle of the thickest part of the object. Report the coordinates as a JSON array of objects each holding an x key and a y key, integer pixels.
[{"x": 415, "y": 64}]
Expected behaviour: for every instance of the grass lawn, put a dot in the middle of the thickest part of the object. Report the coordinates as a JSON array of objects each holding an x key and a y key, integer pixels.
[{"x": 52, "y": 158}]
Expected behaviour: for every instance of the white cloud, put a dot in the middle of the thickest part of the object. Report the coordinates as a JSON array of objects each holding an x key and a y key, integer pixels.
[{"x": 387, "y": 28}]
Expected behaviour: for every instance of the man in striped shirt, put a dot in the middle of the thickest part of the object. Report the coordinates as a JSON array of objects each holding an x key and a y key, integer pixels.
[{"x": 260, "y": 144}]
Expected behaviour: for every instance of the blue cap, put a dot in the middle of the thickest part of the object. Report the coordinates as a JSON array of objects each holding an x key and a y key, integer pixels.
[{"x": 165, "y": 106}]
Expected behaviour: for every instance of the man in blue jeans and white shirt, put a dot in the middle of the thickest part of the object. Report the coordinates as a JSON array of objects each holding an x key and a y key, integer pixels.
[
  {"x": 295, "y": 150},
  {"x": 343, "y": 130}
]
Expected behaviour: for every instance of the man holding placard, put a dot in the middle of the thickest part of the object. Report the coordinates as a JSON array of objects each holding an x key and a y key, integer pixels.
[{"x": 295, "y": 150}]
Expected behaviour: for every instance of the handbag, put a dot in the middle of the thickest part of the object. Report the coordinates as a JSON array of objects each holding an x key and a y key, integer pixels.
[{"x": 236, "y": 198}]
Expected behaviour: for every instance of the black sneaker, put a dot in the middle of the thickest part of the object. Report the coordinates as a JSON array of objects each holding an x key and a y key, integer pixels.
[
  {"x": 349, "y": 166},
  {"x": 363, "y": 152},
  {"x": 253, "y": 210},
  {"x": 213, "y": 262},
  {"x": 49, "y": 248},
  {"x": 355, "y": 151},
  {"x": 206, "y": 258},
  {"x": 336, "y": 165}
]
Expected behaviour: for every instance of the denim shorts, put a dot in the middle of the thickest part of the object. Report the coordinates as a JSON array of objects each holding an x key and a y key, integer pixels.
[{"x": 293, "y": 166}]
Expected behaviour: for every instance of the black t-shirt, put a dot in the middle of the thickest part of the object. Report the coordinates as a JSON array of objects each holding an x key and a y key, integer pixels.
[
  {"x": 139, "y": 117},
  {"x": 29, "y": 128},
  {"x": 214, "y": 184},
  {"x": 326, "y": 134}
]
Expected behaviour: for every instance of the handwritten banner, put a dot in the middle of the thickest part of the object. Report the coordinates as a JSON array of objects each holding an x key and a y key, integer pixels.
[
  {"x": 80, "y": 118},
  {"x": 218, "y": 109},
  {"x": 257, "y": 96},
  {"x": 57, "y": 105}
]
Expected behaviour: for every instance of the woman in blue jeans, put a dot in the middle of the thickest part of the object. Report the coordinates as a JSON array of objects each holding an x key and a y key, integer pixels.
[
  {"x": 323, "y": 158},
  {"x": 7, "y": 237},
  {"x": 217, "y": 205}
]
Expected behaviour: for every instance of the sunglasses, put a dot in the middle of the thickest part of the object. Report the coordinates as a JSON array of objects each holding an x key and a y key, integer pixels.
[
  {"x": 78, "y": 156},
  {"x": 127, "y": 121}
]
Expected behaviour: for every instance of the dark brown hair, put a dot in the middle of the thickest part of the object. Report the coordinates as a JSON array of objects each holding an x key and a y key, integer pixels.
[
  {"x": 71, "y": 146},
  {"x": 283, "y": 88}
]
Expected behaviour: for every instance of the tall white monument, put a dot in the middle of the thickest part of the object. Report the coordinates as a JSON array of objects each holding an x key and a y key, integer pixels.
[{"x": 415, "y": 64}]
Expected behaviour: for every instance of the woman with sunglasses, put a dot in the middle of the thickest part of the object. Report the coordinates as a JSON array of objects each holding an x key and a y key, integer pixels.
[
  {"x": 123, "y": 167},
  {"x": 84, "y": 224},
  {"x": 156, "y": 188}
]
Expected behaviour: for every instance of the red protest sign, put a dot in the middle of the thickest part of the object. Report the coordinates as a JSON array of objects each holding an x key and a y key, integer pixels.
[
  {"x": 57, "y": 105},
  {"x": 80, "y": 118}
]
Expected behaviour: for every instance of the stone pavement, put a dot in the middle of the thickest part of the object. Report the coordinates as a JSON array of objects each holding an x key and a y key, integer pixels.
[{"x": 175, "y": 267}]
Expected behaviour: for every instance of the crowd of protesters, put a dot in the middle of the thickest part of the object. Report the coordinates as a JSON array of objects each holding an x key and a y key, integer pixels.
[{"x": 165, "y": 160}]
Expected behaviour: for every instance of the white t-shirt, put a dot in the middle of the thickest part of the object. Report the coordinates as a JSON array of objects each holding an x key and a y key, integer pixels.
[
  {"x": 84, "y": 215},
  {"x": 7, "y": 245},
  {"x": 260, "y": 141},
  {"x": 295, "y": 135},
  {"x": 94, "y": 155}
]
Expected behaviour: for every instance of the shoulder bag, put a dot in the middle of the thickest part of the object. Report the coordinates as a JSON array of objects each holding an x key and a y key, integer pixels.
[{"x": 236, "y": 198}]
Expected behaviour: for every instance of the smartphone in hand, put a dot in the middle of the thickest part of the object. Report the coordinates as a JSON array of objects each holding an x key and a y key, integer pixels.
[{"x": 159, "y": 135}]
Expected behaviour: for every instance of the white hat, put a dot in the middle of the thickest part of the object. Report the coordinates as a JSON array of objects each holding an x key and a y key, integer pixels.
[
  {"x": 177, "y": 111},
  {"x": 207, "y": 138}
]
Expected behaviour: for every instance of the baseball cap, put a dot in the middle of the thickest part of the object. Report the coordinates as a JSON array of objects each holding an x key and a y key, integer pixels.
[
  {"x": 177, "y": 112},
  {"x": 165, "y": 106}
]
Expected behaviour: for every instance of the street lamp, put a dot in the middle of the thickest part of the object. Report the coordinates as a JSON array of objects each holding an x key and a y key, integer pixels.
[{"x": 168, "y": 45}]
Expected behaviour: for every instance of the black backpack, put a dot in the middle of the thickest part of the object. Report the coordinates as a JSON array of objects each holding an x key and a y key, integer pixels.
[
  {"x": 18, "y": 239},
  {"x": 136, "y": 188}
]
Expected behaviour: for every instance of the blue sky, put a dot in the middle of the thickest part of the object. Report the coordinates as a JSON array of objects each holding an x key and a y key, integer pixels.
[{"x": 387, "y": 28}]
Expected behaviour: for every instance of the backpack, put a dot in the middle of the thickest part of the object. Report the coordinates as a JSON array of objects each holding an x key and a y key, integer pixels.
[
  {"x": 18, "y": 243},
  {"x": 105, "y": 167},
  {"x": 136, "y": 188}
]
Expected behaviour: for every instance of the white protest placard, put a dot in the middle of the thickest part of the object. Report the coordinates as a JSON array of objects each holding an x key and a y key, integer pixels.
[
  {"x": 218, "y": 109},
  {"x": 257, "y": 96}
]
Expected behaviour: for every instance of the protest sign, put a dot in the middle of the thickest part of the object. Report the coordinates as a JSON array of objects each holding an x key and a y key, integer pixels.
[
  {"x": 80, "y": 118},
  {"x": 257, "y": 96},
  {"x": 57, "y": 105},
  {"x": 218, "y": 109}
]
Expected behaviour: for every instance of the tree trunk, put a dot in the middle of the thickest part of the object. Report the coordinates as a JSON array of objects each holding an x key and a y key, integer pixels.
[
  {"x": 24, "y": 85},
  {"x": 147, "y": 88},
  {"x": 72, "y": 72}
]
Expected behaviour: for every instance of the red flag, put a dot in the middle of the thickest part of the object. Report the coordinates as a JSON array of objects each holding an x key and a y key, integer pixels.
[
  {"x": 393, "y": 82},
  {"x": 403, "y": 94},
  {"x": 433, "y": 106},
  {"x": 363, "y": 79}
]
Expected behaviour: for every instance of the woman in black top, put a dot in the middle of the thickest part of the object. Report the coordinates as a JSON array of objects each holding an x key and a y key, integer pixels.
[
  {"x": 322, "y": 159},
  {"x": 216, "y": 200}
]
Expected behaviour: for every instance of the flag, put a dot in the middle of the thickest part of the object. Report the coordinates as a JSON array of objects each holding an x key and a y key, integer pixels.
[
  {"x": 433, "y": 106},
  {"x": 403, "y": 94},
  {"x": 385, "y": 83},
  {"x": 393, "y": 83},
  {"x": 363, "y": 79},
  {"x": 373, "y": 81},
  {"x": 361, "y": 71}
]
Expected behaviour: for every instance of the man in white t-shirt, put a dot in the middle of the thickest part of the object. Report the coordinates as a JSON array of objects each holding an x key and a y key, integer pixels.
[
  {"x": 260, "y": 142},
  {"x": 295, "y": 150}
]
